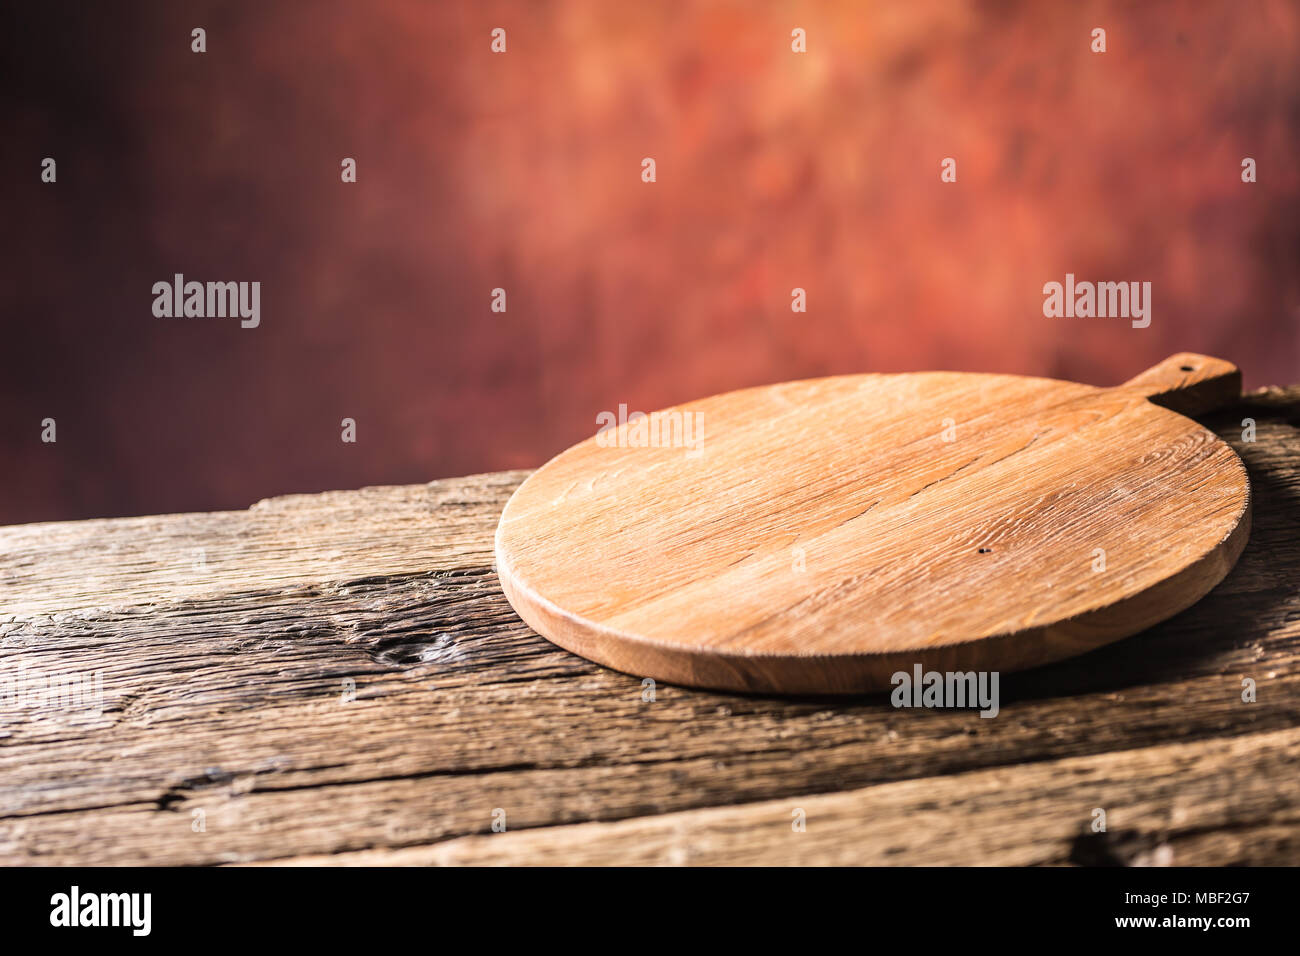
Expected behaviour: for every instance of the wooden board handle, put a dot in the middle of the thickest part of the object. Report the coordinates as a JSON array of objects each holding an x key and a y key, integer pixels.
[{"x": 1190, "y": 384}]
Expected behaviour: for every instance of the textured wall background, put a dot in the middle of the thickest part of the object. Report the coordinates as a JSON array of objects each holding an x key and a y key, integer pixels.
[{"x": 522, "y": 170}]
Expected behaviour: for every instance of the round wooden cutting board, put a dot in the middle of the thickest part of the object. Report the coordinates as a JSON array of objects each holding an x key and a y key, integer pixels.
[{"x": 820, "y": 536}]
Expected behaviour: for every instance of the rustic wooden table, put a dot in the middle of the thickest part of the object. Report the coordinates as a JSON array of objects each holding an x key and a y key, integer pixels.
[{"x": 338, "y": 678}]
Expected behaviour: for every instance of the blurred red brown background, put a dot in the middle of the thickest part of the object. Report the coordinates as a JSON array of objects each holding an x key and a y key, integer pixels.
[{"x": 477, "y": 170}]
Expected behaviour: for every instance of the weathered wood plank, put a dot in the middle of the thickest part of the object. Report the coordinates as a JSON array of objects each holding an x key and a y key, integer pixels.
[
  {"x": 223, "y": 686},
  {"x": 1031, "y": 815},
  {"x": 79, "y": 566}
]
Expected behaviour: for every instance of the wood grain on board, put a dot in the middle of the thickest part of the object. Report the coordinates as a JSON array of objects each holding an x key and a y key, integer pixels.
[
  {"x": 820, "y": 536},
  {"x": 226, "y": 645}
]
